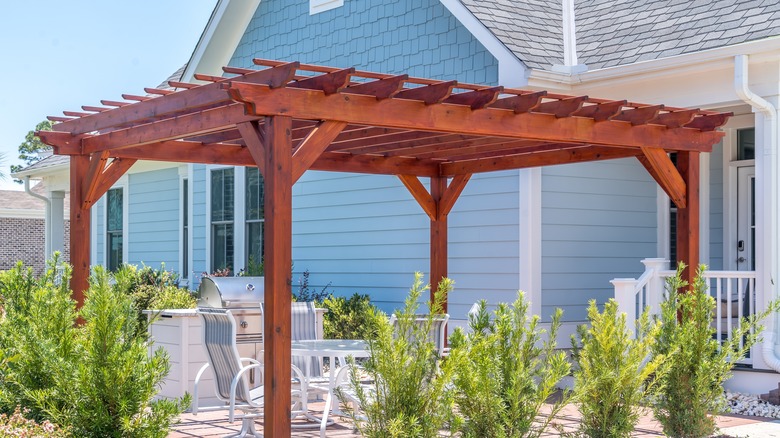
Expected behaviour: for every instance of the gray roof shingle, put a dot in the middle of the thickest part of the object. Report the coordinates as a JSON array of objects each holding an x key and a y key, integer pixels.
[{"x": 610, "y": 31}]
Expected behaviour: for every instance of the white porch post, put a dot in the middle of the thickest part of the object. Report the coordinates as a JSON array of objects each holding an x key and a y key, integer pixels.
[
  {"x": 625, "y": 295},
  {"x": 656, "y": 285},
  {"x": 56, "y": 223}
]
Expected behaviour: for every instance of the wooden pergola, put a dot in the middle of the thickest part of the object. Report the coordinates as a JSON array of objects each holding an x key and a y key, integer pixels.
[{"x": 286, "y": 118}]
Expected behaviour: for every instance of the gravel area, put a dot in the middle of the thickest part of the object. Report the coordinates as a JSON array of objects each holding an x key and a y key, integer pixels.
[{"x": 746, "y": 404}]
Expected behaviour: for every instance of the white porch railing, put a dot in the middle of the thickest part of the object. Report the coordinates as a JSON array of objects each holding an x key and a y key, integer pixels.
[{"x": 734, "y": 291}]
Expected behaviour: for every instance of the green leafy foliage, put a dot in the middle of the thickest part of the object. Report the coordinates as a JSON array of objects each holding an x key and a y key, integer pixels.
[
  {"x": 96, "y": 379},
  {"x": 254, "y": 268},
  {"x": 28, "y": 150},
  {"x": 16, "y": 425},
  {"x": 697, "y": 363},
  {"x": 411, "y": 394},
  {"x": 507, "y": 372},
  {"x": 172, "y": 297},
  {"x": 612, "y": 378},
  {"x": 352, "y": 318}
]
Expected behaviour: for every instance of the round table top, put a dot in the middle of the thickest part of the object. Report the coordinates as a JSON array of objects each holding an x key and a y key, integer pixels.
[{"x": 330, "y": 347}]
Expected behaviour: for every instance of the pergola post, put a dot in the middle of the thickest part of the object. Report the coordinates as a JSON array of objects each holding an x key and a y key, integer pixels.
[
  {"x": 79, "y": 228},
  {"x": 688, "y": 217},
  {"x": 438, "y": 238},
  {"x": 278, "y": 264}
]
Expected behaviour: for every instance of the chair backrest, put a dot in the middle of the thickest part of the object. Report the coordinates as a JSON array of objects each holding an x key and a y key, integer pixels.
[
  {"x": 438, "y": 331},
  {"x": 219, "y": 338},
  {"x": 303, "y": 326}
]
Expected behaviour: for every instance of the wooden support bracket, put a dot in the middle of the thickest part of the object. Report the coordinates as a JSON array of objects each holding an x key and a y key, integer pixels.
[
  {"x": 254, "y": 138},
  {"x": 436, "y": 209},
  {"x": 312, "y": 147},
  {"x": 664, "y": 172}
]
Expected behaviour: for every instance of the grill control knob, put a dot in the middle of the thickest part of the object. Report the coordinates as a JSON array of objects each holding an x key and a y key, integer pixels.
[
  {"x": 250, "y": 287},
  {"x": 243, "y": 324}
]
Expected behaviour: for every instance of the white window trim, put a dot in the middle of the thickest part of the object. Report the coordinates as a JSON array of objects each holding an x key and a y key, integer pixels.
[
  {"x": 730, "y": 165},
  {"x": 238, "y": 215},
  {"x": 317, "y": 6},
  {"x": 120, "y": 184}
]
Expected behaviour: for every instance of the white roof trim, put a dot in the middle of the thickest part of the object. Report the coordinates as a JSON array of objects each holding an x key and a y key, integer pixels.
[
  {"x": 511, "y": 71},
  {"x": 21, "y": 214},
  {"x": 220, "y": 38},
  {"x": 764, "y": 50}
]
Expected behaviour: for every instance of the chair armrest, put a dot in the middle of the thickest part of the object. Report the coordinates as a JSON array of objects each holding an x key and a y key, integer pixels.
[
  {"x": 195, "y": 388},
  {"x": 234, "y": 385}
]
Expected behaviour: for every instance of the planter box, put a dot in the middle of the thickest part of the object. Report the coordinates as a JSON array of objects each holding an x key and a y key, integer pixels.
[{"x": 179, "y": 332}]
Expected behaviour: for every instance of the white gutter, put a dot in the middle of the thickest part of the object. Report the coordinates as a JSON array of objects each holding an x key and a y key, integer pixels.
[
  {"x": 767, "y": 167},
  {"x": 47, "y": 221}
]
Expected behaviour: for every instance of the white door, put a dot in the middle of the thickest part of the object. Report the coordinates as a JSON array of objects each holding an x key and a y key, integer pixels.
[{"x": 746, "y": 218}]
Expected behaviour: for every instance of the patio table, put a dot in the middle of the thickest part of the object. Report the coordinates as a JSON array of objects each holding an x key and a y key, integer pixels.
[{"x": 332, "y": 349}]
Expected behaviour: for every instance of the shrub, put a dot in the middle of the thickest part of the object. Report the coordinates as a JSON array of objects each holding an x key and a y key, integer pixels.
[
  {"x": 172, "y": 297},
  {"x": 16, "y": 425},
  {"x": 253, "y": 268},
  {"x": 507, "y": 372},
  {"x": 612, "y": 379},
  {"x": 410, "y": 395},
  {"x": 353, "y": 318},
  {"x": 697, "y": 362},
  {"x": 308, "y": 293},
  {"x": 96, "y": 379}
]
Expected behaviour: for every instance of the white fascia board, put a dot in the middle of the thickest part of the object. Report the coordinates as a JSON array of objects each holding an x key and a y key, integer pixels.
[
  {"x": 699, "y": 62},
  {"x": 220, "y": 38},
  {"x": 511, "y": 71},
  {"x": 21, "y": 214}
]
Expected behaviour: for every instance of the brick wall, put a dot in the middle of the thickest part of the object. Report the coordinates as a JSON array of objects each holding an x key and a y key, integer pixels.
[{"x": 23, "y": 239}]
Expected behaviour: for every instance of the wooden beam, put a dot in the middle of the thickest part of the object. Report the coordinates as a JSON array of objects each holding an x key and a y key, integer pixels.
[
  {"x": 522, "y": 103},
  {"x": 429, "y": 94},
  {"x": 567, "y": 156},
  {"x": 63, "y": 142},
  {"x": 402, "y": 114},
  {"x": 97, "y": 163},
  {"x": 663, "y": 171},
  {"x": 561, "y": 108},
  {"x": 675, "y": 119},
  {"x": 114, "y": 171},
  {"x": 328, "y": 83},
  {"x": 709, "y": 122},
  {"x": 313, "y": 146},
  {"x": 278, "y": 259},
  {"x": 380, "y": 88},
  {"x": 204, "y": 95},
  {"x": 602, "y": 111},
  {"x": 200, "y": 122},
  {"x": 476, "y": 99},
  {"x": 640, "y": 115},
  {"x": 79, "y": 229},
  {"x": 254, "y": 138},
  {"x": 372, "y": 164},
  {"x": 177, "y": 151},
  {"x": 420, "y": 194},
  {"x": 438, "y": 239},
  {"x": 688, "y": 217},
  {"x": 380, "y": 143},
  {"x": 454, "y": 189}
]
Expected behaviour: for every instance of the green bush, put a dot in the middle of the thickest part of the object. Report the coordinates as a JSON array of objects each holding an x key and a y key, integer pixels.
[
  {"x": 411, "y": 395},
  {"x": 612, "y": 379},
  {"x": 507, "y": 372},
  {"x": 172, "y": 297},
  {"x": 96, "y": 379},
  {"x": 697, "y": 363},
  {"x": 353, "y": 318}
]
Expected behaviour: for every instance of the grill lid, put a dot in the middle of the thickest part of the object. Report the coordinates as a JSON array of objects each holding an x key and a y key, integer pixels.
[{"x": 231, "y": 292}]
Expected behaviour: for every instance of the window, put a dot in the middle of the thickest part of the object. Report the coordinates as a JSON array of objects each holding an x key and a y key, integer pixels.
[
  {"x": 255, "y": 217},
  {"x": 746, "y": 144},
  {"x": 222, "y": 192},
  {"x": 185, "y": 229},
  {"x": 317, "y": 6},
  {"x": 673, "y": 225},
  {"x": 114, "y": 222}
]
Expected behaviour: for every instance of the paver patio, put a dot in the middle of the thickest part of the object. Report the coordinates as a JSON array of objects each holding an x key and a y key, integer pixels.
[{"x": 215, "y": 424}]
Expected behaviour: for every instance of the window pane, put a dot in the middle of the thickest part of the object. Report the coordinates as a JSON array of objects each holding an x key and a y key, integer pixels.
[
  {"x": 254, "y": 194},
  {"x": 746, "y": 144},
  {"x": 254, "y": 242},
  {"x": 222, "y": 195},
  {"x": 114, "y": 250},
  {"x": 222, "y": 247},
  {"x": 114, "y": 210}
]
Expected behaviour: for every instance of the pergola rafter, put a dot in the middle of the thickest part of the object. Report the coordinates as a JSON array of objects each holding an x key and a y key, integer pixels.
[{"x": 287, "y": 118}]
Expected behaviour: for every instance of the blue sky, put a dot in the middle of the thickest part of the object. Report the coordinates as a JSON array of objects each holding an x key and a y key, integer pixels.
[{"x": 60, "y": 55}]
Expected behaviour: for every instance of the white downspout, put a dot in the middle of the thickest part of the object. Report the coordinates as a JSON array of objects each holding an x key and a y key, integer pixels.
[
  {"x": 770, "y": 192},
  {"x": 47, "y": 216}
]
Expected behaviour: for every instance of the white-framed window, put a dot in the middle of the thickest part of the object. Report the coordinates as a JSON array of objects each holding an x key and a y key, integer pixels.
[
  {"x": 317, "y": 6},
  {"x": 114, "y": 228},
  {"x": 255, "y": 216},
  {"x": 185, "y": 229},
  {"x": 222, "y": 218}
]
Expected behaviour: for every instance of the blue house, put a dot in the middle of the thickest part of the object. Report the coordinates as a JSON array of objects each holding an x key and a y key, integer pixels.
[{"x": 560, "y": 233}]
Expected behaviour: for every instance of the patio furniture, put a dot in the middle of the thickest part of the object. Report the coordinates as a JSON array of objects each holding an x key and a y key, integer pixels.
[
  {"x": 437, "y": 333},
  {"x": 309, "y": 350},
  {"x": 231, "y": 372}
]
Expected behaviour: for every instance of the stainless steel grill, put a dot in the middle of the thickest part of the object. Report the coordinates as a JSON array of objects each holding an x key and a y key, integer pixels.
[{"x": 242, "y": 295}]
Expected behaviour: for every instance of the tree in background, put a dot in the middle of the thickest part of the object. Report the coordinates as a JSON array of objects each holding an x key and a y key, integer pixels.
[{"x": 28, "y": 150}]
